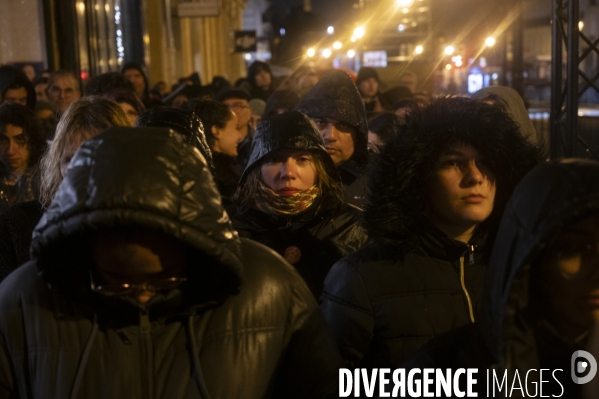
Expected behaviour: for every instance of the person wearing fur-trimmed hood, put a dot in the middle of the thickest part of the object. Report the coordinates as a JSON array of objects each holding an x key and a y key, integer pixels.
[{"x": 435, "y": 195}]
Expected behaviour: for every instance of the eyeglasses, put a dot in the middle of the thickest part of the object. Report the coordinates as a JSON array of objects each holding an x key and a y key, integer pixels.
[
  {"x": 578, "y": 261},
  {"x": 127, "y": 289}
]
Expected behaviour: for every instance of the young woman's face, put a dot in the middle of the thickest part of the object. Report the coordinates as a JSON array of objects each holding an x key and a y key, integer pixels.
[
  {"x": 460, "y": 191},
  {"x": 571, "y": 276},
  {"x": 226, "y": 139},
  {"x": 288, "y": 171}
]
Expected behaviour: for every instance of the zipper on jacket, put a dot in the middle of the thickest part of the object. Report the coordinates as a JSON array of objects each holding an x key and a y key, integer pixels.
[
  {"x": 463, "y": 282},
  {"x": 471, "y": 251},
  {"x": 146, "y": 354}
]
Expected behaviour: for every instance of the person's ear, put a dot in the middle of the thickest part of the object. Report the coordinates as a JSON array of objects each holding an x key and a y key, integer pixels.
[{"x": 215, "y": 131}]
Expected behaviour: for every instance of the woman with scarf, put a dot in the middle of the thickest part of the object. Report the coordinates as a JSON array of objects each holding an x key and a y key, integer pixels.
[{"x": 290, "y": 199}]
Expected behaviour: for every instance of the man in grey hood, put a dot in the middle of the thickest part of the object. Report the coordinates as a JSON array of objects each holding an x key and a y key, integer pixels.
[
  {"x": 338, "y": 110},
  {"x": 139, "y": 287}
]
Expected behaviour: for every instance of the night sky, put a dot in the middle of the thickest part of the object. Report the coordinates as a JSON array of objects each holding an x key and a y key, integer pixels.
[{"x": 470, "y": 19}]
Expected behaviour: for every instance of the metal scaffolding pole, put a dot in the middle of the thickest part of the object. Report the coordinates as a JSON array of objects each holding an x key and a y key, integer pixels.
[{"x": 566, "y": 140}]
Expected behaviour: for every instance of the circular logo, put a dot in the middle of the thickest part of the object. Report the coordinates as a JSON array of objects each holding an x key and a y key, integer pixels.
[{"x": 292, "y": 254}]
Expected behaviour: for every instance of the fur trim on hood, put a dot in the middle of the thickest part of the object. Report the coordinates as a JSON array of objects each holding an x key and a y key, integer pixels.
[{"x": 395, "y": 212}]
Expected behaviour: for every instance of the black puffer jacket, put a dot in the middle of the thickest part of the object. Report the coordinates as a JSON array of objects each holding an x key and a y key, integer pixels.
[
  {"x": 336, "y": 96},
  {"x": 512, "y": 332},
  {"x": 244, "y": 325},
  {"x": 316, "y": 238},
  {"x": 414, "y": 283}
]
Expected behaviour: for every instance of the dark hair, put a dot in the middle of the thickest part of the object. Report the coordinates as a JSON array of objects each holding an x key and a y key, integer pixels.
[
  {"x": 106, "y": 82},
  {"x": 211, "y": 113},
  {"x": 13, "y": 78},
  {"x": 385, "y": 125},
  {"x": 256, "y": 67},
  {"x": 23, "y": 117},
  {"x": 395, "y": 211},
  {"x": 126, "y": 96}
]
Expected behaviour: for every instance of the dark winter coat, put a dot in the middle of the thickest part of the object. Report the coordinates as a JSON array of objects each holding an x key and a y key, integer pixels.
[
  {"x": 414, "y": 282},
  {"x": 335, "y": 96},
  {"x": 225, "y": 176},
  {"x": 316, "y": 238},
  {"x": 511, "y": 333},
  {"x": 16, "y": 227},
  {"x": 244, "y": 325}
]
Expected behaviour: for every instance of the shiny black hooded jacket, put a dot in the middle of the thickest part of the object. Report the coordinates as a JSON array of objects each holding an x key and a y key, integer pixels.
[
  {"x": 244, "y": 325},
  {"x": 336, "y": 96},
  {"x": 321, "y": 235},
  {"x": 511, "y": 333}
]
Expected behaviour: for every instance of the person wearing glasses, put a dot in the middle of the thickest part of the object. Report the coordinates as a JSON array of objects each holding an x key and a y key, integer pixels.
[
  {"x": 139, "y": 287},
  {"x": 541, "y": 298}
]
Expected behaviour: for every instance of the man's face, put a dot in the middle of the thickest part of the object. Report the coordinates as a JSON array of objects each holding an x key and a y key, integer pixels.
[
  {"x": 18, "y": 96},
  {"x": 369, "y": 87},
  {"x": 141, "y": 257},
  {"x": 63, "y": 92},
  {"x": 263, "y": 79},
  {"x": 137, "y": 79},
  {"x": 242, "y": 109},
  {"x": 339, "y": 138},
  {"x": 14, "y": 149}
]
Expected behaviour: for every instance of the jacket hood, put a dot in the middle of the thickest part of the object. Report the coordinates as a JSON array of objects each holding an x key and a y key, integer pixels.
[
  {"x": 514, "y": 106},
  {"x": 256, "y": 67},
  {"x": 395, "y": 213},
  {"x": 135, "y": 65},
  {"x": 183, "y": 122},
  {"x": 141, "y": 177},
  {"x": 553, "y": 195},
  {"x": 336, "y": 96},
  {"x": 288, "y": 130}
]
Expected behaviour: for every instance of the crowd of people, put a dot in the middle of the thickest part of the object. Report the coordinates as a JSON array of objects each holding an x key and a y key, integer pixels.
[{"x": 248, "y": 240}]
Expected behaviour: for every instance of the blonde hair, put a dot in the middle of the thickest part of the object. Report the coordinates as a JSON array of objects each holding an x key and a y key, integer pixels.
[
  {"x": 83, "y": 119},
  {"x": 331, "y": 191}
]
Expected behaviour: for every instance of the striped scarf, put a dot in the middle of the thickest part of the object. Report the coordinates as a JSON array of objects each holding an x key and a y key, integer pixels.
[{"x": 268, "y": 201}]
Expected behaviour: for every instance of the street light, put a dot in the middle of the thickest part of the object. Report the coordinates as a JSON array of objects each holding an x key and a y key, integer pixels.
[
  {"x": 353, "y": 39},
  {"x": 351, "y": 53},
  {"x": 311, "y": 52},
  {"x": 337, "y": 45},
  {"x": 330, "y": 30},
  {"x": 419, "y": 50},
  {"x": 580, "y": 25},
  {"x": 359, "y": 32},
  {"x": 405, "y": 3},
  {"x": 448, "y": 67},
  {"x": 449, "y": 50},
  {"x": 326, "y": 53},
  {"x": 490, "y": 41}
]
